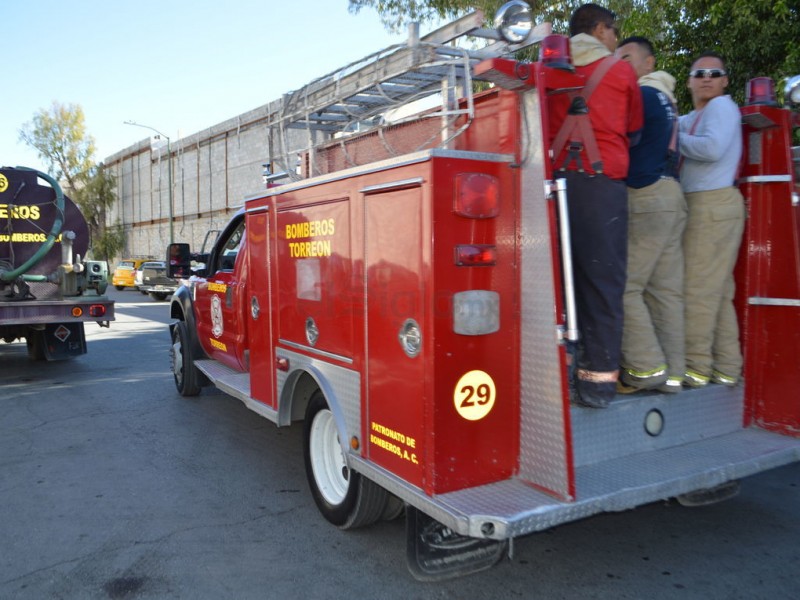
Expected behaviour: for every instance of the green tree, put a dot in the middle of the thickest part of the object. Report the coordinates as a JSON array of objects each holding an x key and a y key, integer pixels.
[
  {"x": 95, "y": 196},
  {"x": 60, "y": 137},
  {"x": 110, "y": 244},
  {"x": 757, "y": 37}
]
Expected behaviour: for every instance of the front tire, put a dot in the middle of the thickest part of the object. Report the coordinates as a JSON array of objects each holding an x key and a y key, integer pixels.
[
  {"x": 185, "y": 373},
  {"x": 158, "y": 296},
  {"x": 344, "y": 497}
]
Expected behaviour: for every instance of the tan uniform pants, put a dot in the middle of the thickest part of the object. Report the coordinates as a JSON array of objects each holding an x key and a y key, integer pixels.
[
  {"x": 653, "y": 330},
  {"x": 711, "y": 246}
]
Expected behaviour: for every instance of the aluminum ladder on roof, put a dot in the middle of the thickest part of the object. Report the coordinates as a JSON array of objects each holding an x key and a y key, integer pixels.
[{"x": 361, "y": 95}]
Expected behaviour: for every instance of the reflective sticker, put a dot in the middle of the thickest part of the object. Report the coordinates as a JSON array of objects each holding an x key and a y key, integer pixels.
[
  {"x": 474, "y": 395},
  {"x": 3, "y": 183}
]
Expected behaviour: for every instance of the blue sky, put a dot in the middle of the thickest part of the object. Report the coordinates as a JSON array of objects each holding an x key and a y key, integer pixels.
[{"x": 175, "y": 65}]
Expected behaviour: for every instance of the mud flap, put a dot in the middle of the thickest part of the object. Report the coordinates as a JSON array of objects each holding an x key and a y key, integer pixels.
[
  {"x": 720, "y": 493},
  {"x": 435, "y": 553},
  {"x": 63, "y": 340}
]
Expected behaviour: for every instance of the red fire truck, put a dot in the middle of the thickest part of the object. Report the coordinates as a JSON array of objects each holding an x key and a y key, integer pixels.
[{"x": 407, "y": 295}]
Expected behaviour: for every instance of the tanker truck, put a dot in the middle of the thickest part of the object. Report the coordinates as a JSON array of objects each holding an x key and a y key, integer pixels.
[{"x": 47, "y": 288}]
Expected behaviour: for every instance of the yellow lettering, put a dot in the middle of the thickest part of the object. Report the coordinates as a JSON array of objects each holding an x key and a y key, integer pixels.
[
  {"x": 27, "y": 237},
  {"x": 381, "y": 432},
  {"x": 308, "y": 229},
  {"x": 31, "y": 213},
  {"x": 310, "y": 249}
]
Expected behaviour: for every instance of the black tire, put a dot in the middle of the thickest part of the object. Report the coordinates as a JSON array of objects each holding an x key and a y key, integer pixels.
[
  {"x": 119, "y": 287},
  {"x": 348, "y": 501},
  {"x": 158, "y": 296},
  {"x": 394, "y": 509},
  {"x": 187, "y": 377},
  {"x": 143, "y": 292}
]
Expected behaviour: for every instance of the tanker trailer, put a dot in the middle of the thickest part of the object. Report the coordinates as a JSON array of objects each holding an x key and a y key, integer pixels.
[{"x": 47, "y": 288}]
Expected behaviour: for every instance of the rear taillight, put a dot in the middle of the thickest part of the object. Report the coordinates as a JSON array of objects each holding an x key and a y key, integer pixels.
[
  {"x": 477, "y": 196},
  {"x": 97, "y": 310},
  {"x": 475, "y": 255}
]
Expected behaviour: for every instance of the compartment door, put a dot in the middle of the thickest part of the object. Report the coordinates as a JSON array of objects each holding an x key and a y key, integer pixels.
[
  {"x": 395, "y": 382},
  {"x": 258, "y": 309}
]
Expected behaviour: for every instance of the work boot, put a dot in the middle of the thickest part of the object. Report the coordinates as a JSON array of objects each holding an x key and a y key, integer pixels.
[
  {"x": 623, "y": 388},
  {"x": 695, "y": 380},
  {"x": 644, "y": 380},
  {"x": 727, "y": 380},
  {"x": 672, "y": 385},
  {"x": 594, "y": 395}
]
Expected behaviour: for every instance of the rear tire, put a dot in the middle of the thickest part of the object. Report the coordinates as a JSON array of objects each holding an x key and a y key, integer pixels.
[
  {"x": 158, "y": 296},
  {"x": 344, "y": 497},
  {"x": 119, "y": 287},
  {"x": 186, "y": 375}
]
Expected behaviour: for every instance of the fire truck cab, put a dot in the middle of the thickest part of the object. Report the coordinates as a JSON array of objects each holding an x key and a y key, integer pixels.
[{"x": 405, "y": 292}]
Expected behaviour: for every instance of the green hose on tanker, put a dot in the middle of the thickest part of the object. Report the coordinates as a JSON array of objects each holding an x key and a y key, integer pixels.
[{"x": 51, "y": 237}]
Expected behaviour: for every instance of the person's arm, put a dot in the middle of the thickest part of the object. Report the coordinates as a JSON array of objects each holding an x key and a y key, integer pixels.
[{"x": 718, "y": 125}]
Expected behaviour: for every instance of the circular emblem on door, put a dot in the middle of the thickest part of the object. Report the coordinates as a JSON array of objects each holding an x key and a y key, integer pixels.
[{"x": 216, "y": 316}]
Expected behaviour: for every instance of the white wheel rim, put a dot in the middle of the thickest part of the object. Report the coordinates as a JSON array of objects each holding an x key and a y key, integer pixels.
[{"x": 327, "y": 460}]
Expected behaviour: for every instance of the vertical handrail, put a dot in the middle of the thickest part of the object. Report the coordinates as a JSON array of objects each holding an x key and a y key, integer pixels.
[{"x": 571, "y": 332}]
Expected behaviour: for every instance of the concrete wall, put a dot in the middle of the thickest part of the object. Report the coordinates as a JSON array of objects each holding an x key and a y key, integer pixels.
[{"x": 212, "y": 172}]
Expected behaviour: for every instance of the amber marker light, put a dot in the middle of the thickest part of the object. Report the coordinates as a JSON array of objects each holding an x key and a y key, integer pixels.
[{"x": 77, "y": 311}]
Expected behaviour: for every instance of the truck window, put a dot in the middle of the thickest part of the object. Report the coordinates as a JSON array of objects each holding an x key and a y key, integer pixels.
[{"x": 230, "y": 249}]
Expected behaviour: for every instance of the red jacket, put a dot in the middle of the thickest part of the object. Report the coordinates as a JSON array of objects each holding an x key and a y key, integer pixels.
[{"x": 615, "y": 110}]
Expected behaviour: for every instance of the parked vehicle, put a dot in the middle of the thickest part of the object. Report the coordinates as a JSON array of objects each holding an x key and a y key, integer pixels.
[
  {"x": 155, "y": 281},
  {"x": 407, "y": 294},
  {"x": 48, "y": 289},
  {"x": 125, "y": 273}
]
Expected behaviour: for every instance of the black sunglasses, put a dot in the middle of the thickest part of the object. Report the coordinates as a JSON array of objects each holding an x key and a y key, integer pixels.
[{"x": 713, "y": 73}]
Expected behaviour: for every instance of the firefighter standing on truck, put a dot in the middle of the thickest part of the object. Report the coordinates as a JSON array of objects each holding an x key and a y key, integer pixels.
[
  {"x": 595, "y": 167},
  {"x": 653, "y": 331},
  {"x": 711, "y": 146}
]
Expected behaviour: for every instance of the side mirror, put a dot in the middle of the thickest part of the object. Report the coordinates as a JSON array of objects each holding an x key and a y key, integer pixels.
[{"x": 179, "y": 260}]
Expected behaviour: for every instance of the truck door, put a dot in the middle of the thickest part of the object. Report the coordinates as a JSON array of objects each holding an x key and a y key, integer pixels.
[
  {"x": 258, "y": 306},
  {"x": 219, "y": 300}
]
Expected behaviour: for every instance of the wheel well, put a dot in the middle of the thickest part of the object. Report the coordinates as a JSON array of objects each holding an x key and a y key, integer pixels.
[{"x": 302, "y": 390}]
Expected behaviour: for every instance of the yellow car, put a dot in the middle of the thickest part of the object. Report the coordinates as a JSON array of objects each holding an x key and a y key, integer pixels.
[{"x": 125, "y": 273}]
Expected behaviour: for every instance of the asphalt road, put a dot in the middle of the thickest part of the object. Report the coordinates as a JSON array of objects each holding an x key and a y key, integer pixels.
[{"x": 113, "y": 486}]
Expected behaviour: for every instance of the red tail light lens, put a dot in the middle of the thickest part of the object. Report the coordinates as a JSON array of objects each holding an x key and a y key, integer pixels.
[
  {"x": 477, "y": 196},
  {"x": 476, "y": 255},
  {"x": 97, "y": 310}
]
